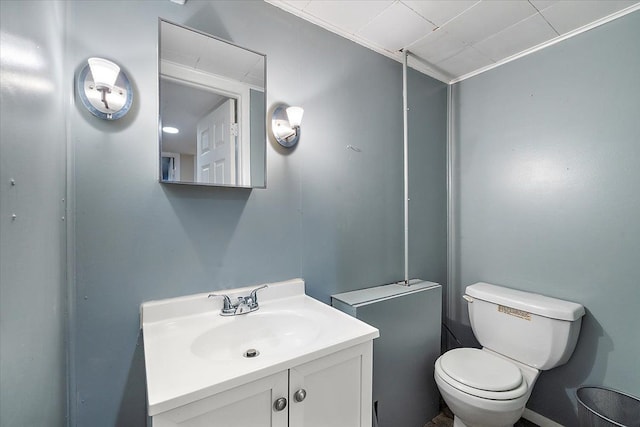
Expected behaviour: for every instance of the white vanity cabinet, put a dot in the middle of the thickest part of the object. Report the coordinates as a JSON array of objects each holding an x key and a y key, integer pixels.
[
  {"x": 333, "y": 390},
  {"x": 338, "y": 389},
  {"x": 208, "y": 369},
  {"x": 249, "y": 405}
]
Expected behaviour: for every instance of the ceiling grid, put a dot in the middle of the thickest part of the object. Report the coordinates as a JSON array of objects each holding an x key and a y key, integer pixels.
[{"x": 454, "y": 40}]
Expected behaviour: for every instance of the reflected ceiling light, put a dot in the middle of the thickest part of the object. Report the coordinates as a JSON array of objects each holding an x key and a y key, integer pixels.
[
  {"x": 285, "y": 124},
  {"x": 104, "y": 89},
  {"x": 19, "y": 80},
  {"x": 170, "y": 129},
  {"x": 18, "y": 52}
]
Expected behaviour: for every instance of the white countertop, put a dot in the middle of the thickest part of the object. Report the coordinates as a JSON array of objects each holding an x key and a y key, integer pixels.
[
  {"x": 187, "y": 361},
  {"x": 383, "y": 292}
]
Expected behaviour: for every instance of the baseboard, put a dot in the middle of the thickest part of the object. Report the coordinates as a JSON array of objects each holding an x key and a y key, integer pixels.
[{"x": 538, "y": 419}]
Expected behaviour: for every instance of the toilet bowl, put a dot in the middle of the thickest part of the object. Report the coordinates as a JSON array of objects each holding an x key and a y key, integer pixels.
[
  {"x": 521, "y": 334},
  {"x": 482, "y": 388}
]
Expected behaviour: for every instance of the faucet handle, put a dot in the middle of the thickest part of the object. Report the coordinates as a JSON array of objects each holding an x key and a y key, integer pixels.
[
  {"x": 254, "y": 293},
  {"x": 226, "y": 303}
]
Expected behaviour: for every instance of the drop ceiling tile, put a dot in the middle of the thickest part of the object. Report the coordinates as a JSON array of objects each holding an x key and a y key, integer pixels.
[
  {"x": 525, "y": 34},
  {"x": 179, "y": 57},
  {"x": 464, "y": 62},
  {"x": 298, "y": 4},
  {"x": 437, "y": 46},
  {"x": 542, "y": 4},
  {"x": 487, "y": 18},
  {"x": 396, "y": 27},
  {"x": 255, "y": 75},
  {"x": 439, "y": 11},
  {"x": 349, "y": 16},
  {"x": 571, "y": 14},
  {"x": 472, "y": 34}
]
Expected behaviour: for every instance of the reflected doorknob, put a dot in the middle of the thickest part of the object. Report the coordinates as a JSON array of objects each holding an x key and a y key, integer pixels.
[
  {"x": 280, "y": 404},
  {"x": 300, "y": 395}
]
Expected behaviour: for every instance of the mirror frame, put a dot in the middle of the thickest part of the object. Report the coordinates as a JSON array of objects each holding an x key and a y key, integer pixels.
[{"x": 264, "y": 145}]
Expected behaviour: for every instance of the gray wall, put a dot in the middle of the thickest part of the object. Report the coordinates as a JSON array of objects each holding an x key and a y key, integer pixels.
[
  {"x": 32, "y": 247},
  {"x": 330, "y": 215},
  {"x": 547, "y": 190},
  {"x": 257, "y": 129},
  {"x": 427, "y": 178}
]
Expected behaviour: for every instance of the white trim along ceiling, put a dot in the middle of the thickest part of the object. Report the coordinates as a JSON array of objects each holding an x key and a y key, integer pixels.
[{"x": 452, "y": 40}]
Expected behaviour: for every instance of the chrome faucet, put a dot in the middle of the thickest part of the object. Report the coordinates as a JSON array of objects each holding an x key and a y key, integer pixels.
[{"x": 242, "y": 306}]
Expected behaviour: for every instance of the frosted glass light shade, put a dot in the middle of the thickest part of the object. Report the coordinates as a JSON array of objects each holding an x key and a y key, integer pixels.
[
  {"x": 96, "y": 87},
  {"x": 104, "y": 72},
  {"x": 285, "y": 124},
  {"x": 295, "y": 116}
]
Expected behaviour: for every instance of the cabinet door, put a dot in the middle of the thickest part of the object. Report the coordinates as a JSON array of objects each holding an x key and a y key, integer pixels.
[
  {"x": 337, "y": 390},
  {"x": 249, "y": 405}
]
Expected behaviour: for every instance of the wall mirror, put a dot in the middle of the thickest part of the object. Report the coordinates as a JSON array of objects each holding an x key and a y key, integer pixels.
[{"x": 212, "y": 110}]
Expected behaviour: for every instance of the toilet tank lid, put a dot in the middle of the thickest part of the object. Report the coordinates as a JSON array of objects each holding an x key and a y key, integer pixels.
[{"x": 533, "y": 303}]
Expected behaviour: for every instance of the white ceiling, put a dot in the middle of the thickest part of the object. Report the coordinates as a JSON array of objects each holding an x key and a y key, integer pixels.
[
  {"x": 456, "y": 39},
  {"x": 201, "y": 52}
]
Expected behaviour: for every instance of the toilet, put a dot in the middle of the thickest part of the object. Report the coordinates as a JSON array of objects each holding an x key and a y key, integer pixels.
[{"x": 521, "y": 334}]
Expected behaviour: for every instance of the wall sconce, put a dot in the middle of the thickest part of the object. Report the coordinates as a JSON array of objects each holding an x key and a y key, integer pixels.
[
  {"x": 104, "y": 89},
  {"x": 285, "y": 125}
]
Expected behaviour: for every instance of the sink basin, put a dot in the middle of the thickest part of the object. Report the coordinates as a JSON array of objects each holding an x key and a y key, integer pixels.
[
  {"x": 271, "y": 333},
  {"x": 191, "y": 352}
]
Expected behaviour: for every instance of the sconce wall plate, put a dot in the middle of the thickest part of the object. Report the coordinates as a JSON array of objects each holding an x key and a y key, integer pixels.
[
  {"x": 283, "y": 132},
  {"x": 108, "y": 103}
]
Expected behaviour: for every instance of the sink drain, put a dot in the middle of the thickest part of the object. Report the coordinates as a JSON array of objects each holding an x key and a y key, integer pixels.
[{"x": 252, "y": 352}]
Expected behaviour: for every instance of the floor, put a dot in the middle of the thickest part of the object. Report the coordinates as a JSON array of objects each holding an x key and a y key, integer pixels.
[{"x": 445, "y": 419}]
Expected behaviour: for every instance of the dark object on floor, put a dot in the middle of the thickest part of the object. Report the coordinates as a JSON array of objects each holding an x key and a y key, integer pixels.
[
  {"x": 445, "y": 419},
  {"x": 603, "y": 407},
  {"x": 441, "y": 420},
  {"x": 525, "y": 423}
]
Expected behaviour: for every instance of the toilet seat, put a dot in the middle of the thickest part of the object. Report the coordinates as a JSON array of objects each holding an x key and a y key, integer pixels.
[
  {"x": 480, "y": 369},
  {"x": 481, "y": 374}
]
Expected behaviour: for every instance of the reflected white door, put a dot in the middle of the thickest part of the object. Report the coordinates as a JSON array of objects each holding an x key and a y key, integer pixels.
[{"x": 216, "y": 145}]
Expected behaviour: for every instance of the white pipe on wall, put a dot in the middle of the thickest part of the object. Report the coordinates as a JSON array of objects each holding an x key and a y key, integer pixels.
[
  {"x": 405, "y": 123},
  {"x": 450, "y": 207}
]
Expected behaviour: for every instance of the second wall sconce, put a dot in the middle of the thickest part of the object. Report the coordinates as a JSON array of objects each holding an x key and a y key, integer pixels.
[
  {"x": 104, "y": 89},
  {"x": 285, "y": 124}
]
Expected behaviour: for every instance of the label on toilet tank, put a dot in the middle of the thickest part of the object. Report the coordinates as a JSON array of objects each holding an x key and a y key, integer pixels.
[{"x": 514, "y": 312}]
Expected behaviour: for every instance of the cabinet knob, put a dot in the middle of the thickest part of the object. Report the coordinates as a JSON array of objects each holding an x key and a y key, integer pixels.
[
  {"x": 280, "y": 404},
  {"x": 300, "y": 395}
]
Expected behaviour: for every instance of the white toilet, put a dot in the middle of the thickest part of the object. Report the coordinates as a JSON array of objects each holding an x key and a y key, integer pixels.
[{"x": 521, "y": 334}]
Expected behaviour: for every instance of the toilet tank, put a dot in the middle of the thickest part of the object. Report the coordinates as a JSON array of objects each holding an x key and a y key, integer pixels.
[{"x": 536, "y": 330}]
